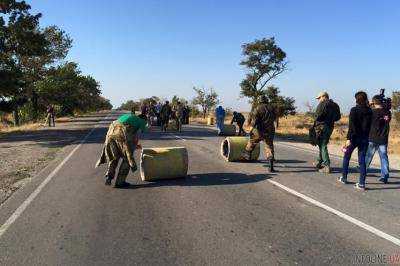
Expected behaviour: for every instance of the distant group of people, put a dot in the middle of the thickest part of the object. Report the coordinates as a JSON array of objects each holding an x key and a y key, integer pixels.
[{"x": 161, "y": 114}]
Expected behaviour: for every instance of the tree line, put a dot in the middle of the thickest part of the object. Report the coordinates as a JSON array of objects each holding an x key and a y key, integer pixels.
[{"x": 33, "y": 70}]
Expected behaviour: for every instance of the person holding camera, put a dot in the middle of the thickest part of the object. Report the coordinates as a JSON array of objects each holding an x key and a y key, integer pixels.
[
  {"x": 379, "y": 135},
  {"x": 357, "y": 137}
]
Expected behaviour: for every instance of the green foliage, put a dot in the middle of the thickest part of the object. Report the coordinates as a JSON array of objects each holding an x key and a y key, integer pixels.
[
  {"x": 283, "y": 105},
  {"x": 130, "y": 105},
  {"x": 29, "y": 61},
  {"x": 205, "y": 99},
  {"x": 264, "y": 61},
  {"x": 66, "y": 87},
  {"x": 396, "y": 105}
]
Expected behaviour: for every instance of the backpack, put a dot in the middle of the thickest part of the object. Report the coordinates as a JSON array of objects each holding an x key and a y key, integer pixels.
[{"x": 336, "y": 116}]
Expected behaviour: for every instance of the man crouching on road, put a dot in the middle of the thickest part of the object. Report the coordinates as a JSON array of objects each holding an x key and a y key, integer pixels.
[
  {"x": 121, "y": 142},
  {"x": 262, "y": 129}
]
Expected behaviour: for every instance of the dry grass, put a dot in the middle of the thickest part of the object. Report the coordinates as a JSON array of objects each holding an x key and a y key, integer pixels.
[{"x": 296, "y": 127}]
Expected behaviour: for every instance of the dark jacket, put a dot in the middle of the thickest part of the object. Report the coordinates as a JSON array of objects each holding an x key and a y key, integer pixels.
[
  {"x": 380, "y": 126},
  {"x": 165, "y": 112},
  {"x": 359, "y": 123},
  {"x": 238, "y": 118},
  {"x": 263, "y": 117},
  {"x": 324, "y": 114}
]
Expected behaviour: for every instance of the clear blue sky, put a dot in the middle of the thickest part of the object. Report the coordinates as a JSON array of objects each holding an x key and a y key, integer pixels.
[{"x": 143, "y": 48}]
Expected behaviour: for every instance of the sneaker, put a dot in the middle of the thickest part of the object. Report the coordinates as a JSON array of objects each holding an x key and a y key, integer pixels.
[
  {"x": 325, "y": 169},
  {"x": 342, "y": 180},
  {"x": 383, "y": 180},
  {"x": 359, "y": 186}
]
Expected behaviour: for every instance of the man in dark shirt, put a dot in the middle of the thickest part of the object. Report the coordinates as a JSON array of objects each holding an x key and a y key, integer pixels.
[
  {"x": 165, "y": 115},
  {"x": 239, "y": 119},
  {"x": 378, "y": 136},
  {"x": 262, "y": 129},
  {"x": 357, "y": 137},
  {"x": 324, "y": 124}
]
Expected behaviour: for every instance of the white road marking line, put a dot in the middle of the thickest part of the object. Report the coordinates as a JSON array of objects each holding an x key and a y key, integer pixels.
[
  {"x": 176, "y": 136},
  {"x": 17, "y": 213},
  {"x": 342, "y": 215}
]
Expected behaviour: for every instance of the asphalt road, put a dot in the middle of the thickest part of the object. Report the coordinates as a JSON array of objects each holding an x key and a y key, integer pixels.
[{"x": 221, "y": 214}]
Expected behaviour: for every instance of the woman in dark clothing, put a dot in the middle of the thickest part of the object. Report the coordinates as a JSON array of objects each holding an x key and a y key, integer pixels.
[{"x": 357, "y": 137}]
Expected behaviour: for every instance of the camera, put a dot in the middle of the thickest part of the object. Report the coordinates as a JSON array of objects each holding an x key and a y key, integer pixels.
[{"x": 386, "y": 101}]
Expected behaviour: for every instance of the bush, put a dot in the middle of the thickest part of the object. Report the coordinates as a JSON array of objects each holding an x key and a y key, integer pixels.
[{"x": 396, "y": 116}]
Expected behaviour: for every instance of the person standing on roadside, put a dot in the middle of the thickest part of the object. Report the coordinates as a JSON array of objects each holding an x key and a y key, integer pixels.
[
  {"x": 239, "y": 119},
  {"x": 327, "y": 113},
  {"x": 262, "y": 129},
  {"x": 220, "y": 117},
  {"x": 165, "y": 115},
  {"x": 50, "y": 119},
  {"x": 357, "y": 137},
  {"x": 379, "y": 135},
  {"x": 179, "y": 115}
]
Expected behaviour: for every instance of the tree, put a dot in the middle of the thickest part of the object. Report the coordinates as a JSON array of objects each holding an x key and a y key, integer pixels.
[
  {"x": 130, "y": 105},
  {"x": 67, "y": 88},
  {"x": 205, "y": 99},
  {"x": 283, "y": 105},
  {"x": 396, "y": 105},
  {"x": 264, "y": 61},
  {"x": 20, "y": 37}
]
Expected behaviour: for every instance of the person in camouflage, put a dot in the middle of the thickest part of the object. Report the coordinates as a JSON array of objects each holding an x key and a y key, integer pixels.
[
  {"x": 262, "y": 121},
  {"x": 239, "y": 119},
  {"x": 120, "y": 144},
  {"x": 179, "y": 116},
  {"x": 165, "y": 115}
]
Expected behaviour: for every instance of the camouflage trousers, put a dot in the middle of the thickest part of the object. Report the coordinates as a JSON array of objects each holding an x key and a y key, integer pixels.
[
  {"x": 113, "y": 157},
  {"x": 268, "y": 137}
]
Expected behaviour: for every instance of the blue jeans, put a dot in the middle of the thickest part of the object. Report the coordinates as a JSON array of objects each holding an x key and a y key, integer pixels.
[
  {"x": 362, "y": 146},
  {"x": 220, "y": 124},
  {"x": 383, "y": 155}
]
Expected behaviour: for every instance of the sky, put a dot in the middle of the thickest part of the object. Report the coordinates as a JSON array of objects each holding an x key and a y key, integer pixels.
[{"x": 138, "y": 49}]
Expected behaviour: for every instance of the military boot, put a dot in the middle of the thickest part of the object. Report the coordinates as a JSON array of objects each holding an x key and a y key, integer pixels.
[{"x": 271, "y": 166}]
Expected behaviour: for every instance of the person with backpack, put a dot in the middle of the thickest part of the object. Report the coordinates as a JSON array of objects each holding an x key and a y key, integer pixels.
[
  {"x": 327, "y": 113},
  {"x": 357, "y": 137},
  {"x": 262, "y": 125}
]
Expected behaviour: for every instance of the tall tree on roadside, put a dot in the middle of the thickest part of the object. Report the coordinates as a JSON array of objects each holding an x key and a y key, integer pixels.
[
  {"x": 283, "y": 105},
  {"x": 206, "y": 99},
  {"x": 264, "y": 61},
  {"x": 20, "y": 37},
  {"x": 396, "y": 105}
]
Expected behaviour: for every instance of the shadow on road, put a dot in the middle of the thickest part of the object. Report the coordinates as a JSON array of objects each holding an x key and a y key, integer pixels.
[{"x": 210, "y": 179}]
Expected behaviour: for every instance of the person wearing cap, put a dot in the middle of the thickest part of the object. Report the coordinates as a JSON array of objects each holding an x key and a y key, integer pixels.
[
  {"x": 379, "y": 136},
  {"x": 121, "y": 142},
  {"x": 262, "y": 120},
  {"x": 327, "y": 113}
]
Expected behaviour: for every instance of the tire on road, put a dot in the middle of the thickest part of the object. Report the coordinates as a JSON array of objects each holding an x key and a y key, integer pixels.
[
  {"x": 232, "y": 149},
  {"x": 163, "y": 163}
]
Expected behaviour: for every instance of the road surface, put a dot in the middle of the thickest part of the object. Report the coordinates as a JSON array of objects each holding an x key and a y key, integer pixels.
[{"x": 221, "y": 214}]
